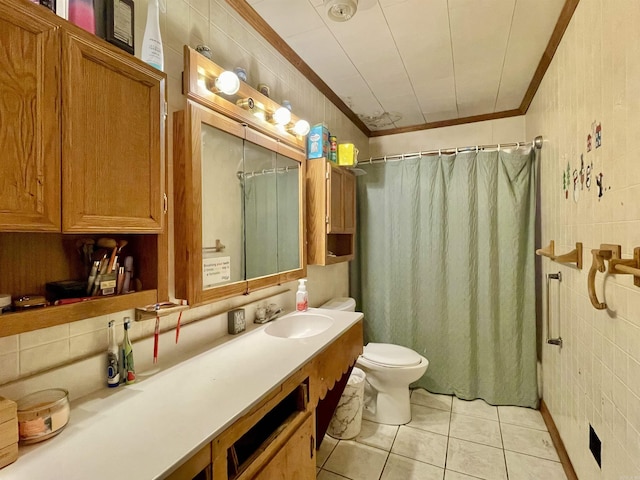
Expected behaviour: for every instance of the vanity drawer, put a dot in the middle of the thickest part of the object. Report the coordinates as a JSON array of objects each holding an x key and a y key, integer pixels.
[{"x": 244, "y": 449}]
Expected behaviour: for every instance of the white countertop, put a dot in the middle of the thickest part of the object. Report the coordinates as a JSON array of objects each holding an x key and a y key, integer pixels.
[{"x": 146, "y": 430}]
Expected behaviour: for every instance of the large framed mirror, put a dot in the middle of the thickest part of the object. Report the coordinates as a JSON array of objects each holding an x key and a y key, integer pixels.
[{"x": 239, "y": 198}]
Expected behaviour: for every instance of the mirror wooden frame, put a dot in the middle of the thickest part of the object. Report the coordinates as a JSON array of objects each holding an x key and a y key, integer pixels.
[{"x": 187, "y": 131}]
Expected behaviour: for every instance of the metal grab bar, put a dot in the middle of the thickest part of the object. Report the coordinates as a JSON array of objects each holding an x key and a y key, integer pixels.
[{"x": 552, "y": 341}]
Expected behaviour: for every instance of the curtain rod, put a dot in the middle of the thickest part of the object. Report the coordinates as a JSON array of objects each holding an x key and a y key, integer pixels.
[
  {"x": 266, "y": 171},
  {"x": 537, "y": 143}
]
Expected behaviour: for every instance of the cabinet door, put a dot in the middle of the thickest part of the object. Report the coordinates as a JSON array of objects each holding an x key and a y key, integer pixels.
[
  {"x": 29, "y": 121},
  {"x": 295, "y": 459},
  {"x": 341, "y": 200},
  {"x": 335, "y": 209},
  {"x": 113, "y": 128},
  {"x": 349, "y": 202}
]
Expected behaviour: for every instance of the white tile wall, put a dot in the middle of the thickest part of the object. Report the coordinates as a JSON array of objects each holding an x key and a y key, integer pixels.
[
  {"x": 233, "y": 43},
  {"x": 594, "y": 76}
]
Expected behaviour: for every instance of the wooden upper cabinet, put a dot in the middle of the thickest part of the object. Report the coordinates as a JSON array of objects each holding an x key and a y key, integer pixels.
[
  {"x": 341, "y": 200},
  {"x": 29, "y": 121},
  {"x": 113, "y": 140},
  {"x": 331, "y": 213}
]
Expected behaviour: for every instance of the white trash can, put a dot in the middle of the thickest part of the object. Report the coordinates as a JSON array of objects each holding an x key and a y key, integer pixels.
[{"x": 347, "y": 419}]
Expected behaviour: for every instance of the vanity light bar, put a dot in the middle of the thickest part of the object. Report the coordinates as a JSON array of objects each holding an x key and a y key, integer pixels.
[{"x": 208, "y": 83}]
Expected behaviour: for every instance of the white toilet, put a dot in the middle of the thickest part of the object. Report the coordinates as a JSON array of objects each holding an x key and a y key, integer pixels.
[{"x": 390, "y": 369}]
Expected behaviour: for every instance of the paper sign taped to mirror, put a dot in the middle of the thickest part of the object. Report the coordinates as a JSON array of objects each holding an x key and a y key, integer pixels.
[{"x": 215, "y": 271}]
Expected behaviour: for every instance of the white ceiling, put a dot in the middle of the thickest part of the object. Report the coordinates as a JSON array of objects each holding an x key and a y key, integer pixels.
[{"x": 422, "y": 60}]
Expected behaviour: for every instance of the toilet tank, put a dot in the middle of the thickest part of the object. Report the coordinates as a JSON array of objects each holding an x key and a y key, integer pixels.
[{"x": 346, "y": 304}]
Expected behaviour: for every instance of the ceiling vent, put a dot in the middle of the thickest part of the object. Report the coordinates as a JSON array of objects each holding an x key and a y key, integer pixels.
[{"x": 340, "y": 10}]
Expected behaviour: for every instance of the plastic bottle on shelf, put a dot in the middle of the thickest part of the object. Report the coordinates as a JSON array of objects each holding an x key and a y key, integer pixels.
[
  {"x": 113, "y": 366},
  {"x": 127, "y": 348},
  {"x": 152, "y": 52},
  {"x": 302, "y": 296}
]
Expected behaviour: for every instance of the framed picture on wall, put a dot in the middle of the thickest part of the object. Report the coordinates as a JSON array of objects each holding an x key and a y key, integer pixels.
[{"x": 120, "y": 23}]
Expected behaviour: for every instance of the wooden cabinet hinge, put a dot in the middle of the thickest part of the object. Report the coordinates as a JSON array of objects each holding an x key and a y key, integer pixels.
[
  {"x": 312, "y": 445},
  {"x": 165, "y": 203}
]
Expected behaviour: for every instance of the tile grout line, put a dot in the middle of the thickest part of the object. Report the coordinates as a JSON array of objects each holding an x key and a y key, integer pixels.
[
  {"x": 446, "y": 452},
  {"x": 328, "y": 455},
  {"x": 388, "y": 454},
  {"x": 504, "y": 452}
]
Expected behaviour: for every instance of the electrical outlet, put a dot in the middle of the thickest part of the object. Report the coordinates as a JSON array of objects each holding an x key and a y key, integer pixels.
[
  {"x": 595, "y": 446},
  {"x": 236, "y": 321}
]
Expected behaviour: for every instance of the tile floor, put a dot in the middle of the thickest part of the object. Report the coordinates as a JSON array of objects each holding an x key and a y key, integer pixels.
[{"x": 447, "y": 439}]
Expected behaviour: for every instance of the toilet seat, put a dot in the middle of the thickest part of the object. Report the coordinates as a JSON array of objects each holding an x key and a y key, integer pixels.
[{"x": 388, "y": 355}]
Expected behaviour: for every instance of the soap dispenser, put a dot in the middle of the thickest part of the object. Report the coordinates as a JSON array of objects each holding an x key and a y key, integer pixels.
[{"x": 302, "y": 297}]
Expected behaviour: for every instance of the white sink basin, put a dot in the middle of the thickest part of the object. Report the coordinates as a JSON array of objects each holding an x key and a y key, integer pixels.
[{"x": 299, "y": 325}]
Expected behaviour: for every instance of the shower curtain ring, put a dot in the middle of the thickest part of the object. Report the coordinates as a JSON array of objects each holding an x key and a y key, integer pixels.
[
  {"x": 385, "y": 159},
  {"x": 476, "y": 148},
  {"x": 456, "y": 150},
  {"x": 439, "y": 152},
  {"x": 517, "y": 145},
  {"x": 498, "y": 147}
]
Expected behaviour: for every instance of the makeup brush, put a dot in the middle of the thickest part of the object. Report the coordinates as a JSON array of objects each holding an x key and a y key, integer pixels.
[
  {"x": 102, "y": 269},
  {"x": 114, "y": 254},
  {"x": 128, "y": 270},
  {"x": 92, "y": 276}
]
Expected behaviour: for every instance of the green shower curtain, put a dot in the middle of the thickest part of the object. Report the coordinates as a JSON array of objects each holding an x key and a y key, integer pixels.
[
  {"x": 445, "y": 266},
  {"x": 271, "y": 218},
  {"x": 261, "y": 225}
]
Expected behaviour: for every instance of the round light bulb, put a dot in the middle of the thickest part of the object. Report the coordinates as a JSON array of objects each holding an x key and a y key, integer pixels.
[
  {"x": 282, "y": 116},
  {"x": 228, "y": 83},
  {"x": 301, "y": 128}
]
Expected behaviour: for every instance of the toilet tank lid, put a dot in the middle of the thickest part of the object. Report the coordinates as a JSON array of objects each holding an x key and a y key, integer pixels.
[
  {"x": 347, "y": 304},
  {"x": 391, "y": 355}
]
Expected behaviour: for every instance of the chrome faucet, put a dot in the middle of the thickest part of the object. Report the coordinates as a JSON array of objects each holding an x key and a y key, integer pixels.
[{"x": 264, "y": 315}]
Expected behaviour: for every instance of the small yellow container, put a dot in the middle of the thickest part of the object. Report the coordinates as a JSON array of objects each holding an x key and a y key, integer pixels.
[{"x": 347, "y": 155}]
